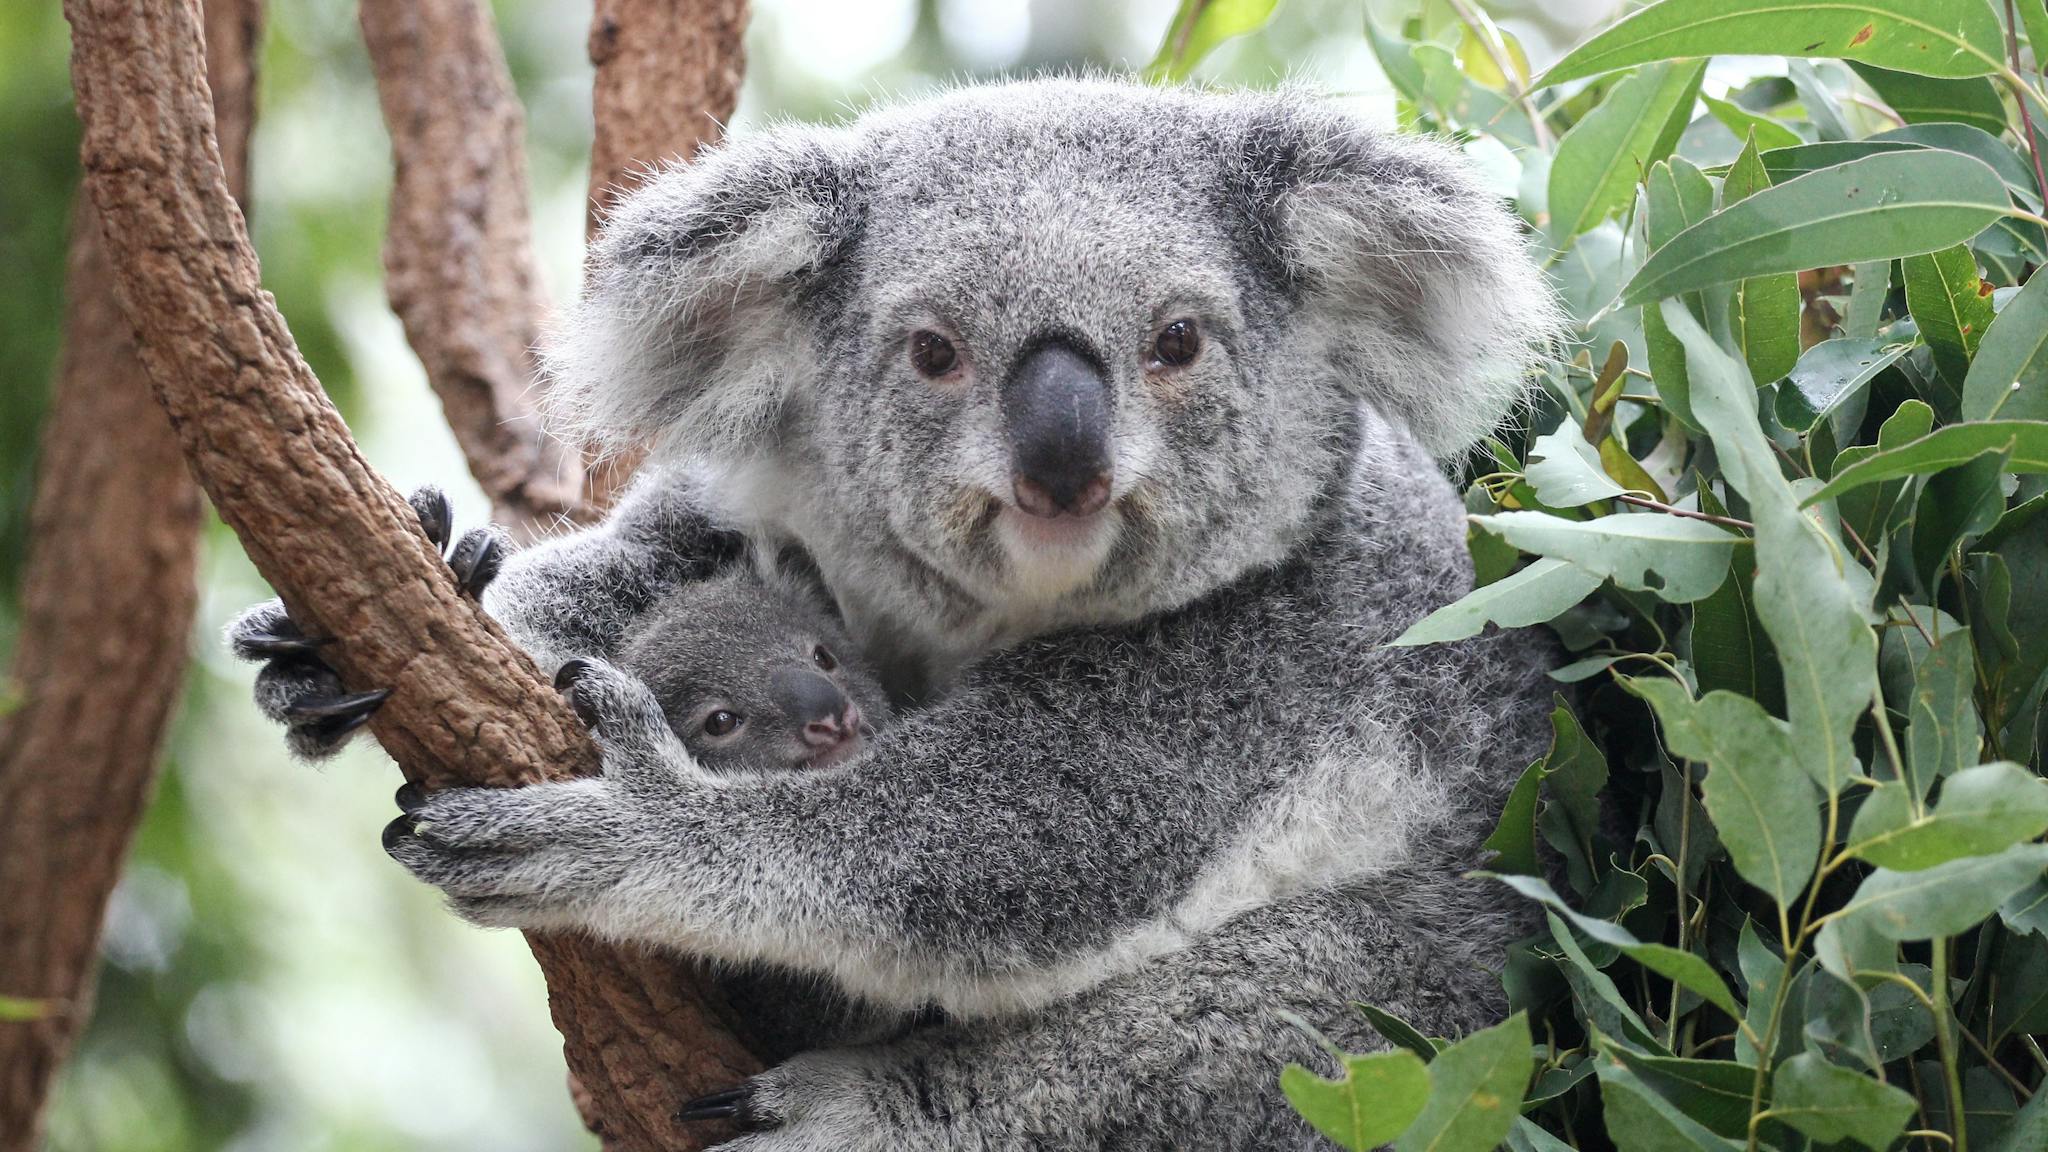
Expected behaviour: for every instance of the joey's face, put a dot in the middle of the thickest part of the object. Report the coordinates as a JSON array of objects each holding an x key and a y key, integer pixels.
[
  {"x": 1053, "y": 377},
  {"x": 752, "y": 679}
]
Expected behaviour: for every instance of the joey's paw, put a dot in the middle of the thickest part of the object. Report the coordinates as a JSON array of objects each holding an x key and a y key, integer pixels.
[
  {"x": 515, "y": 857},
  {"x": 640, "y": 751},
  {"x": 480, "y": 553}
]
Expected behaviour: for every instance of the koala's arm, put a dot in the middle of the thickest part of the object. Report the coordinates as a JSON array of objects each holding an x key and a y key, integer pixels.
[{"x": 922, "y": 871}]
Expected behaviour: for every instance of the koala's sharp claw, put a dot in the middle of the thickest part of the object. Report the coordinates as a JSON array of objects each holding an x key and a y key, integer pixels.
[
  {"x": 331, "y": 731},
  {"x": 724, "y": 1105},
  {"x": 476, "y": 561},
  {"x": 399, "y": 829},
  {"x": 284, "y": 641},
  {"x": 354, "y": 705},
  {"x": 411, "y": 798},
  {"x": 571, "y": 670},
  {"x": 436, "y": 518}
]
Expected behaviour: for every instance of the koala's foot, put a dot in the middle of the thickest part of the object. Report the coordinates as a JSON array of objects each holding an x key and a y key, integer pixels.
[
  {"x": 298, "y": 689},
  {"x": 844, "y": 1100}
]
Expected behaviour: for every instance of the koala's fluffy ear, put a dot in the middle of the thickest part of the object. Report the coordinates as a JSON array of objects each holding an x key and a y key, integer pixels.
[
  {"x": 1420, "y": 280},
  {"x": 690, "y": 328}
]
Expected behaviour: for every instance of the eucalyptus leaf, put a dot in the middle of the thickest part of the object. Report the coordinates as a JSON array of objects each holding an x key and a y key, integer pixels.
[
  {"x": 1680, "y": 967},
  {"x": 1198, "y": 27},
  {"x": 2025, "y": 442},
  {"x": 1765, "y": 315},
  {"x": 1982, "y": 810},
  {"x": 1475, "y": 1091},
  {"x": 1831, "y": 1103},
  {"x": 1641, "y": 1120},
  {"x": 1513, "y": 842},
  {"x": 1745, "y": 124},
  {"x": 1677, "y": 196},
  {"x": 1829, "y": 374},
  {"x": 1880, "y": 207},
  {"x": 2027, "y": 909},
  {"x": 1927, "y": 99},
  {"x": 1714, "y": 1092},
  {"x": 1598, "y": 162},
  {"x": 2009, "y": 377},
  {"x": 1952, "y": 307},
  {"x": 1566, "y": 471},
  {"x": 1927, "y": 37},
  {"x": 1535, "y": 594},
  {"x": 1375, "y": 1100},
  {"x": 1946, "y": 899},
  {"x": 1680, "y": 560}
]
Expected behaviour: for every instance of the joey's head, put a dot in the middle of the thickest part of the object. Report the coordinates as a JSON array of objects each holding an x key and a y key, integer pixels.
[
  {"x": 755, "y": 676},
  {"x": 1076, "y": 350}
]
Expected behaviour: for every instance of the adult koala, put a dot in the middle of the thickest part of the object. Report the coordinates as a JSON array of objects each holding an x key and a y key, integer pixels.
[{"x": 1109, "y": 415}]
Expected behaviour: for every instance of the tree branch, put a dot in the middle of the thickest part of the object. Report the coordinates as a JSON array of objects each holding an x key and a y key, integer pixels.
[
  {"x": 458, "y": 249},
  {"x": 668, "y": 75},
  {"x": 339, "y": 544}
]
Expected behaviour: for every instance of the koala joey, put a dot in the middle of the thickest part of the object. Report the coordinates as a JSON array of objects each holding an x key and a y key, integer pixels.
[
  {"x": 1111, "y": 416},
  {"x": 754, "y": 674}
]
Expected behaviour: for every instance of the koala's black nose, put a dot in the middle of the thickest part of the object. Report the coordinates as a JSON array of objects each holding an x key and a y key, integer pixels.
[
  {"x": 814, "y": 704},
  {"x": 1059, "y": 410}
]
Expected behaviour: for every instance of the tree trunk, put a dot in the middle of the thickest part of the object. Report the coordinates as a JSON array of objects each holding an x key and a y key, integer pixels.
[
  {"x": 458, "y": 248},
  {"x": 107, "y": 605},
  {"x": 339, "y": 544}
]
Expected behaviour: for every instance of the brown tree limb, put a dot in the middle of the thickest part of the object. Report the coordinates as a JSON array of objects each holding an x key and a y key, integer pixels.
[
  {"x": 668, "y": 77},
  {"x": 458, "y": 249},
  {"x": 338, "y": 543},
  {"x": 107, "y": 605}
]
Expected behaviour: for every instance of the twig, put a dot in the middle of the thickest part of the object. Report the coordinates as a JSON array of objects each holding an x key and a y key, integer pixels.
[
  {"x": 1659, "y": 506},
  {"x": 2019, "y": 95},
  {"x": 1489, "y": 39}
]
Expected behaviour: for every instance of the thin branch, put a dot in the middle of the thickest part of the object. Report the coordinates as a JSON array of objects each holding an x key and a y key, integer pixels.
[
  {"x": 1659, "y": 506},
  {"x": 339, "y": 544},
  {"x": 2019, "y": 95}
]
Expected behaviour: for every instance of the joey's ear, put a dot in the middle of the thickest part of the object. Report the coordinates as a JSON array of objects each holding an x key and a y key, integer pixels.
[
  {"x": 1420, "y": 279},
  {"x": 691, "y": 328}
]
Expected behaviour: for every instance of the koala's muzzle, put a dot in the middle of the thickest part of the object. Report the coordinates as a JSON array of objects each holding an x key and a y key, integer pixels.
[
  {"x": 1058, "y": 411},
  {"x": 820, "y": 711}
]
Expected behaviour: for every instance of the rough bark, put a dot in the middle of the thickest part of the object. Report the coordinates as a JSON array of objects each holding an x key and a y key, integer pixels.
[
  {"x": 668, "y": 76},
  {"x": 338, "y": 543},
  {"x": 458, "y": 249},
  {"x": 107, "y": 604}
]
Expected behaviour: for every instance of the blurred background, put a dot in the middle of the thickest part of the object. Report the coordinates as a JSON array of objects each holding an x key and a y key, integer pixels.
[{"x": 271, "y": 980}]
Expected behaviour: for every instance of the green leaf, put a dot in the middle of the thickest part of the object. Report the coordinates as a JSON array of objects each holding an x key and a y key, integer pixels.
[
  {"x": 1763, "y": 969},
  {"x": 2017, "y": 173},
  {"x": 1640, "y": 1120},
  {"x": 1926, "y": 99},
  {"x": 1729, "y": 650},
  {"x": 1870, "y": 284},
  {"x": 1746, "y": 124},
  {"x": 1475, "y": 1091},
  {"x": 1599, "y": 161},
  {"x": 2029, "y": 1130},
  {"x": 1830, "y": 374},
  {"x": 1680, "y": 560},
  {"x": 16, "y": 1009},
  {"x": 1982, "y": 811},
  {"x": 1952, "y": 307},
  {"x": 2009, "y": 377},
  {"x": 1513, "y": 842},
  {"x": 1397, "y": 1031},
  {"x": 1680, "y": 967},
  {"x": 2025, "y": 440},
  {"x": 1713, "y": 1092},
  {"x": 2034, "y": 18},
  {"x": 1594, "y": 992},
  {"x": 1574, "y": 772},
  {"x": 1764, "y": 809},
  {"x": 1831, "y": 1104},
  {"x": 1873, "y": 1026},
  {"x": 1373, "y": 1102},
  {"x": 1942, "y": 731},
  {"x": 1926, "y": 37},
  {"x": 1815, "y": 616},
  {"x": 1946, "y": 899},
  {"x": 1805, "y": 159},
  {"x": 1537, "y": 593},
  {"x": 1877, "y": 208},
  {"x": 1197, "y": 28},
  {"x": 2027, "y": 909},
  {"x": 1397, "y": 60},
  {"x": 1765, "y": 316},
  {"x": 1566, "y": 471},
  {"x": 1679, "y": 195}
]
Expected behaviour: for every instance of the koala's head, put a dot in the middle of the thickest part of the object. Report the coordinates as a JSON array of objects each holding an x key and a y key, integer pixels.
[
  {"x": 755, "y": 675},
  {"x": 1085, "y": 346}
]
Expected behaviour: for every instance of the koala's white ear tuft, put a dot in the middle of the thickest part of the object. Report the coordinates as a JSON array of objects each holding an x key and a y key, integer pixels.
[
  {"x": 689, "y": 331},
  {"x": 1421, "y": 279}
]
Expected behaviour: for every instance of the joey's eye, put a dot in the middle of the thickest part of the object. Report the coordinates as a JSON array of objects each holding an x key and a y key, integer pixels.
[
  {"x": 932, "y": 354},
  {"x": 1177, "y": 344},
  {"x": 721, "y": 723},
  {"x": 823, "y": 657}
]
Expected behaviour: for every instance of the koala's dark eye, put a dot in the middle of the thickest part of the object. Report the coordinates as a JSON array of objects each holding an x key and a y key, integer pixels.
[
  {"x": 721, "y": 723},
  {"x": 932, "y": 354},
  {"x": 824, "y": 658},
  {"x": 1177, "y": 344}
]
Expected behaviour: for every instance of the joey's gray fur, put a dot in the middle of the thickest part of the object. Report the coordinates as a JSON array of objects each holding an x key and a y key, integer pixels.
[{"x": 1162, "y": 780}]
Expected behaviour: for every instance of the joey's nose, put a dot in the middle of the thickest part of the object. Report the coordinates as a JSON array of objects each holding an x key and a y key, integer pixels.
[
  {"x": 1058, "y": 410},
  {"x": 815, "y": 705}
]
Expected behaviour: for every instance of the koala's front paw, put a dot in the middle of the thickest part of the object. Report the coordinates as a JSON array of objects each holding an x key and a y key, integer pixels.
[
  {"x": 298, "y": 689},
  {"x": 514, "y": 857},
  {"x": 818, "y": 1102}
]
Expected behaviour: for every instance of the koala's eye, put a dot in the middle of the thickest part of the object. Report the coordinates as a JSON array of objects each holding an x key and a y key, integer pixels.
[
  {"x": 932, "y": 354},
  {"x": 823, "y": 657},
  {"x": 722, "y": 723},
  {"x": 1177, "y": 344}
]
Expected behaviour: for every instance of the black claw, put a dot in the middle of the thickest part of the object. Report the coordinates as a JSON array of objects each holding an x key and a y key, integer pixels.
[
  {"x": 399, "y": 829},
  {"x": 476, "y": 565},
  {"x": 354, "y": 705},
  {"x": 437, "y": 520},
  {"x": 718, "y": 1106},
  {"x": 284, "y": 640},
  {"x": 334, "y": 729},
  {"x": 411, "y": 798},
  {"x": 571, "y": 671}
]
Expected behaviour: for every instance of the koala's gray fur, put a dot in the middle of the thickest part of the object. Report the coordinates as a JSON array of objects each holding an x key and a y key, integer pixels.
[
  {"x": 726, "y": 644},
  {"x": 1165, "y": 780}
]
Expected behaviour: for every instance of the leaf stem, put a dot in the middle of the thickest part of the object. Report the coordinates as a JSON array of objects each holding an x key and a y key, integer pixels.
[
  {"x": 2019, "y": 96},
  {"x": 1944, "y": 1035},
  {"x": 1689, "y": 514},
  {"x": 1489, "y": 38}
]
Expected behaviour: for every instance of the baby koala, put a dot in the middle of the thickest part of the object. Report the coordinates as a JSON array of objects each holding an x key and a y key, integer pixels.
[{"x": 756, "y": 674}]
